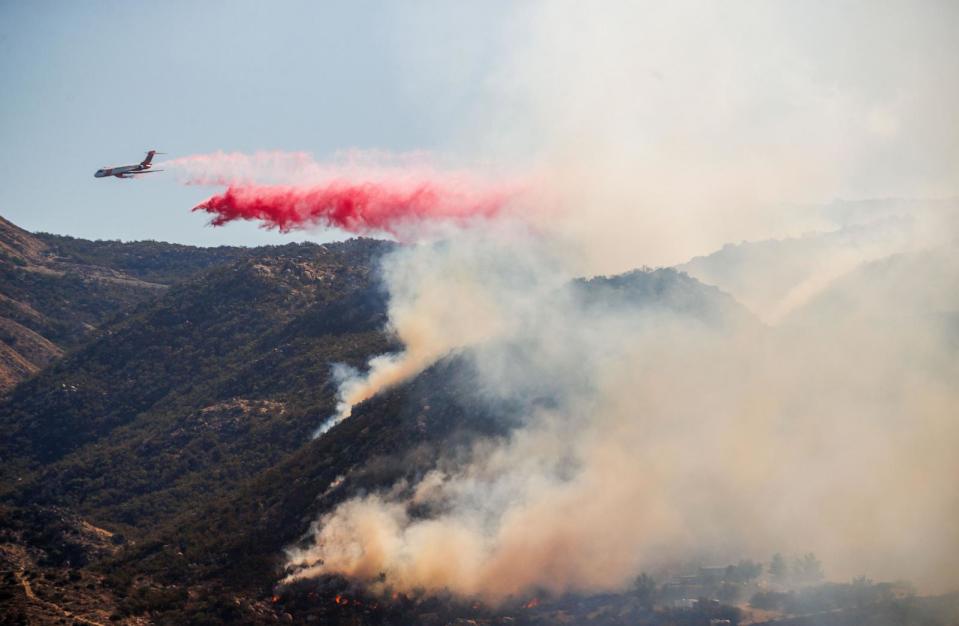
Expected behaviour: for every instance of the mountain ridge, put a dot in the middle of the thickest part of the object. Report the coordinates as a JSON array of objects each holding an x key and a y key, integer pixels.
[
  {"x": 167, "y": 457},
  {"x": 55, "y": 291}
]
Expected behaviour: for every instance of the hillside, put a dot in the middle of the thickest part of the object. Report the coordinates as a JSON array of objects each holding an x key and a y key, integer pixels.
[
  {"x": 227, "y": 345},
  {"x": 665, "y": 290},
  {"x": 890, "y": 289},
  {"x": 775, "y": 276},
  {"x": 184, "y": 426},
  {"x": 55, "y": 291},
  {"x": 157, "y": 472},
  {"x": 153, "y": 261},
  {"x": 184, "y": 398}
]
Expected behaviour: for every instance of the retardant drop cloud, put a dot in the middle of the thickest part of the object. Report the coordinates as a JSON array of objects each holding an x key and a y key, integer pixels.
[
  {"x": 356, "y": 207},
  {"x": 365, "y": 193}
]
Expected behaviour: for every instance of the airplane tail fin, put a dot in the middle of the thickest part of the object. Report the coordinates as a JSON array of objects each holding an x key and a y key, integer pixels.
[{"x": 149, "y": 158}]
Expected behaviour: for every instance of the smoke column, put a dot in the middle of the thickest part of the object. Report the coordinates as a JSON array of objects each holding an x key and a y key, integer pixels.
[
  {"x": 661, "y": 131},
  {"x": 664, "y": 440},
  {"x": 433, "y": 293},
  {"x": 667, "y": 130}
]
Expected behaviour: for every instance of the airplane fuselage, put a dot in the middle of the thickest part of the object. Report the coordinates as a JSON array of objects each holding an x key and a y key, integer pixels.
[
  {"x": 117, "y": 171},
  {"x": 129, "y": 171}
]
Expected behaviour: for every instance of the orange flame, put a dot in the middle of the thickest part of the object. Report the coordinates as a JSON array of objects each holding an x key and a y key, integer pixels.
[{"x": 532, "y": 604}]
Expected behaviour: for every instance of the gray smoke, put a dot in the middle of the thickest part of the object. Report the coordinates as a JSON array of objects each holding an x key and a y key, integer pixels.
[{"x": 661, "y": 132}]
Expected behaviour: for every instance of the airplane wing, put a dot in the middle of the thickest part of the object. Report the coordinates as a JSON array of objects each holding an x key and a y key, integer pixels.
[{"x": 145, "y": 172}]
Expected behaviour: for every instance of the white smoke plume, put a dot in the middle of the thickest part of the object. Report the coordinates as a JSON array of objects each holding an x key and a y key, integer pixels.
[
  {"x": 432, "y": 295},
  {"x": 663, "y": 131},
  {"x": 673, "y": 441}
]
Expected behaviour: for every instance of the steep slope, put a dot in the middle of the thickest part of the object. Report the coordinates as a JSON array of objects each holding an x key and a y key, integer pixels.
[
  {"x": 192, "y": 469},
  {"x": 22, "y": 353},
  {"x": 399, "y": 434},
  {"x": 162, "y": 389},
  {"x": 393, "y": 438},
  {"x": 54, "y": 291},
  {"x": 185, "y": 426}
]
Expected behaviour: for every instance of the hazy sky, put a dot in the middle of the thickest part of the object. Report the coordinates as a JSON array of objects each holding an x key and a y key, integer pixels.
[
  {"x": 646, "y": 106},
  {"x": 98, "y": 83}
]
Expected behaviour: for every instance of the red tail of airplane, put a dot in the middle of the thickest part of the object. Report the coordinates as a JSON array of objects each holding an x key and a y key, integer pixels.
[{"x": 147, "y": 161}]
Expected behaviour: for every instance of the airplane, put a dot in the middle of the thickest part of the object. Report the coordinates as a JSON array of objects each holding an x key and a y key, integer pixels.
[{"x": 129, "y": 171}]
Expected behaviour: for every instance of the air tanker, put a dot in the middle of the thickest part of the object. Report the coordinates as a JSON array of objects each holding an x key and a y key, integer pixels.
[{"x": 129, "y": 171}]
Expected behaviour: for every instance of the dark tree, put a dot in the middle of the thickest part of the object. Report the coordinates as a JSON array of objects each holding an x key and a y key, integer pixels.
[
  {"x": 807, "y": 569},
  {"x": 646, "y": 591},
  {"x": 777, "y": 568}
]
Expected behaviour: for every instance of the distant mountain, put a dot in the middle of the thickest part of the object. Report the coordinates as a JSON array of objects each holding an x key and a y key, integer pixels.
[
  {"x": 916, "y": 289},
  {"x": 668, "y": 290},
  {"x": 55, "y": 291},
  {"x": 777, "y": 276},
  {"x": 774, "y": 276}
]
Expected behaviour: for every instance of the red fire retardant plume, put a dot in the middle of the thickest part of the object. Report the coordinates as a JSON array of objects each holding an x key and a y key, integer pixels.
[{"x": 355, "y": 207}]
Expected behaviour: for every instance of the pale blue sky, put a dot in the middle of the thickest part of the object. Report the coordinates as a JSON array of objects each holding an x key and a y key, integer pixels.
[
  {"x": 88, "y": 84},
  {"x": 671, "y": 119}
]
